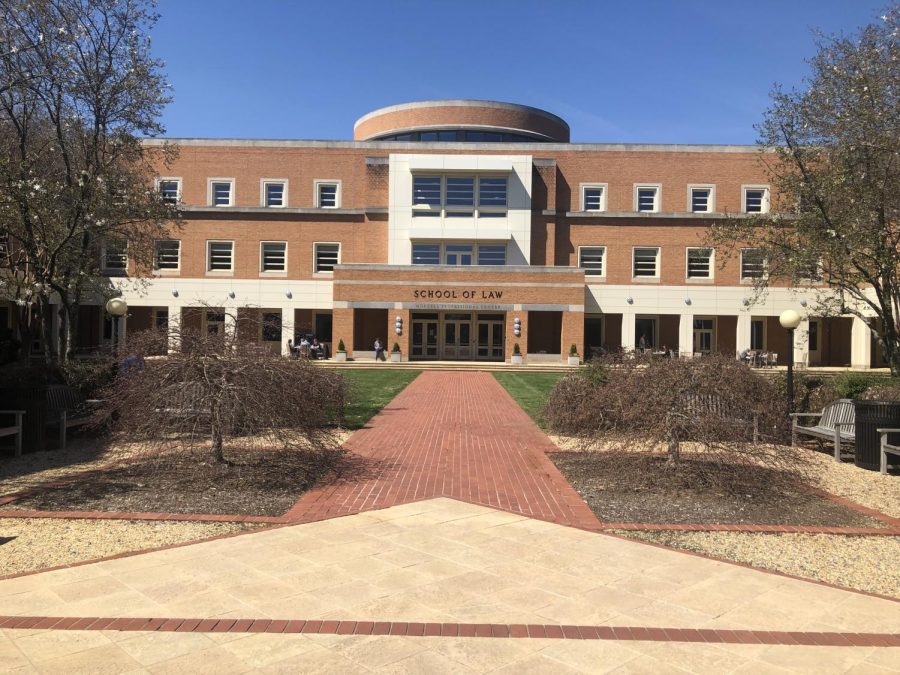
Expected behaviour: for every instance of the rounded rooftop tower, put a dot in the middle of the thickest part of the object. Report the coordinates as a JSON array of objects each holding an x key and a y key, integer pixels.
[{"x": 461, "y": 120}]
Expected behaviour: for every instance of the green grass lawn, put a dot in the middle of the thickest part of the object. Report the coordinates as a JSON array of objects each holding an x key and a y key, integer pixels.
[
  {"x": 530, "y": 390},
  {"x": 371, "y": 390}
]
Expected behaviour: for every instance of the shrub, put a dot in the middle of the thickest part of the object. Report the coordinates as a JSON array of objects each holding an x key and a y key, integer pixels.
[
  {"x": 888, "y": 391},
  {"x": 89, "y": 377},
  {"x": 517, "y": 350},
  {"x": 396, "y": 348},
  {"x": 573, "y": 350},
  {"x": 341, "y": 347},
  {"x": 852, "y": 385}
]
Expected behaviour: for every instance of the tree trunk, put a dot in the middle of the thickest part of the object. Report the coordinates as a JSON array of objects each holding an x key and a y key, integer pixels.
[
  {"x": 46, "y": 311},
  {"x": 218, "y": 449},
  {"x": 71, "y": 321},
  {"x": 674, "y": 447}
]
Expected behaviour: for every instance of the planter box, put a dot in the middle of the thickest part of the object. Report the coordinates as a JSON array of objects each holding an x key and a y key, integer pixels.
[
  {"x": 340, "y": 356},
  {"x": 396, "y": 357},
  {"x": 574, "y": 361},
  {"x": 516, "y": 359}
]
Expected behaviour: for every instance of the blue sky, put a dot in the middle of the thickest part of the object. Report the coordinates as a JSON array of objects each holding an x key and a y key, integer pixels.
[{"x": 681, "y": 71}]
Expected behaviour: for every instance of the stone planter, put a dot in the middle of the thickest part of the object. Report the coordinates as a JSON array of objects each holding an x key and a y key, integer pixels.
[
  {"x": 396, "y": 357},
  {"x": 516, "y": 359},
  {"x": 574, "y": 360},
  {"x": 340, "y": 356}
]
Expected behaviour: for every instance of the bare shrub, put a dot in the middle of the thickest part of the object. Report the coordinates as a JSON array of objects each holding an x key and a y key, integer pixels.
[
  {"x": 724, "y": 414},
  {"x": 218, "y": 390},
  {"x": 882, "y": 392}
]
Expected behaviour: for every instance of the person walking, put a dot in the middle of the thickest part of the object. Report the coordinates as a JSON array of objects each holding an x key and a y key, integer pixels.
[{"x": 379, "y": 350}]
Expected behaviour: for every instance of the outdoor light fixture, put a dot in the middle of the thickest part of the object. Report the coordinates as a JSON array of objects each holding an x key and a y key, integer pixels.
[
  {"x": 174, "y": 292},
  {"x": 288, "y": 294},
  {"x": 231, "y": 294},
  {"x": 398, "y": 325},
  {"x": 745, "y": 302},
  {"x": 116, "y": 308},
  {"x": 789, "y": 320},
  {"x": 687, "y": 301},
  {"x": 629, "y": 300},
  {"x": 803, "y": 303},
  {"x": 517, "y": 327}
]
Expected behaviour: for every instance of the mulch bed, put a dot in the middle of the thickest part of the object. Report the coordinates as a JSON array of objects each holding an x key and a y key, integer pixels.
[
  {"x": 640, "y": 488},
  {"x": 258, "y": 483}
]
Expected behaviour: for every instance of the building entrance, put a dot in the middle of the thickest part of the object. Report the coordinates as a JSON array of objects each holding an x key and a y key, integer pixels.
[{"x": 457, "y": 336}]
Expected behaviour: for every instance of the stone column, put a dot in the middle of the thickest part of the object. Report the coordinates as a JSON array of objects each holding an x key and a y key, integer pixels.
[
  {"x": 173, "y": 327},
  {"x": 860, "y": 344},
  {"x": 801, "y": 344},
  {"x": 742, "y": 338},
  {"x": 287, "y": 329},
  {"x": 230, "y": 323},
  {"x": 686, "y": 335},
  {"x": 628, "y": 338}
]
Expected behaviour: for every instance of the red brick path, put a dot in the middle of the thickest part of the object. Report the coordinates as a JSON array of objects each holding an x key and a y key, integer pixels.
[{"x": 451, "y": 434}]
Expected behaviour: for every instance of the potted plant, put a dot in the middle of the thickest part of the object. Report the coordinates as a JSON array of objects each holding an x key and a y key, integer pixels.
[
  {"x": 573, "y": 356},
  {"x": 395, "y": 353},
  {"x": 341, "y": 353},
  {"x": 516, "y": 355}
]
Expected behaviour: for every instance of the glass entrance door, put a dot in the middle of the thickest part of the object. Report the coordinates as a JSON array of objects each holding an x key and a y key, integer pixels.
[
  {"x": 704, "y": 336},
  {"x": 424, "y": 339},
  {"x": 489, "y": 346},
  {"x": 458, "y": 336}
]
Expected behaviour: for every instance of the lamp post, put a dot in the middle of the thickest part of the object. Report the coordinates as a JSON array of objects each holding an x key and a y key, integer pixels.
[
  {"x": 789, "y": 320},
  {"x": 116, "y": 308}
]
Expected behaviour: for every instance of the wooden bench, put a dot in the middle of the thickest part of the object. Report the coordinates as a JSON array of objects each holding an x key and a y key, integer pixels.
[
  {"x": 887, "y": 448},
  {"x": 15, "y": 430},
  {"x": 837, "y": 423},
  {"x": 710, "y": 404},
  {"x": 69, "y": 408}
]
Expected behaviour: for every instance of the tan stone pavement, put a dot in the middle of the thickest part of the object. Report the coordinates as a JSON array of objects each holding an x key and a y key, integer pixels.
[{"x": 434, "y": 561}]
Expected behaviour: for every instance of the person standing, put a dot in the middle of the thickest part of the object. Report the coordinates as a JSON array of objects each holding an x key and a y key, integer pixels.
[{"x": 379, "y": 350}]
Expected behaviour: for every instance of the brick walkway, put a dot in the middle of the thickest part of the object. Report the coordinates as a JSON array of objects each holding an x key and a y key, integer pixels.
[{"x": 457, "y": 435}]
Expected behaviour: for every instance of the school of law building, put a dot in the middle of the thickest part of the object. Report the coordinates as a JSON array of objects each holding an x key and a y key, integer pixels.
[{"x": 460, "y": 228}]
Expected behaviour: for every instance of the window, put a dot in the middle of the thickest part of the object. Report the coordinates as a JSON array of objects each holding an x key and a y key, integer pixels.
[
  {"x": 328, "y": 194},
  {"x": 426, "y": 254},
  {"x": 756, "y": 199},
  {"x": 753, "y": 265},
  {"x": 274, "y": 193},
  {"x": 458, "y": 196},
  {"x": 699, "y": 263},
  {"x": 646, "y": 262},
  {"x": 114, "y": 257},
  {"x": 221, "y": 191},
  {"x": 593, "y": 197},
  {"x": 646, "y": 198},
  {"x": 757, "y": 334},
  {"x": 491, "y": 254},
  {"x": 327, "y": 256},
  {"x": 220, "y": 256},
  {"x": 701, "y": 198},
  {"x": 273, "y": 256},
  {"x": 271, "y": 327},
  {"x": 166, "y": 254},
  {"x": 813, "y": 336},
  {"x": 458, "y": 254},
  {"x": 169, "y": 189},
  {"x": 590, "y": 259}
]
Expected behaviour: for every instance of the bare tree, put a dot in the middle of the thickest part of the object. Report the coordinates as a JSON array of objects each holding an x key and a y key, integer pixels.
[
  {"x": 832, "y": 151},
  {"x": 79, "y": 88},
  {"x": 219, "y": 392}
]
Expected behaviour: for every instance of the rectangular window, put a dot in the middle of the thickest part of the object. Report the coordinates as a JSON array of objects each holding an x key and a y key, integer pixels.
[
  {"x": 757, "y": 334},
  {"x": 701, "y": 200},
  {"x": 699, "y": 263},
  {"x": 591, "y": 259},
  {"x": 327, "y": 256},
  {"x": 646, "y": 262},
  {"x": 273, "y": 256},
  {"x": 221, "y": 193},
  {"x": 426, "y": 254},
  {"x": 271, "y": 327},
  {"x": 813, "y": 336},
  {"x": 273, "y": 194},
  {"x": 115, "y": 256},
  {"x": 458, "y": 254},
  {"x": 646, "y": 198},
  {"x": 427, "y": 193},
  {"x": 460, "y": 197},
  {"x": 220, "y": 256},
  {"x": 756, "y": 200},
  {"x": 752, "y": 263},
  {"x": 593, "y": 198},
  {"x": 166, "y": 254},
  {"x": 492, "y": 192},
  {"x": 327, "y": 195},
  {"x": 491, "y": 254},
  {"x": 169, "y": 190}
]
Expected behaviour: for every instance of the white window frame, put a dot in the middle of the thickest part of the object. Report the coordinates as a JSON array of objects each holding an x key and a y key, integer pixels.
[
  {"x": 687, "y": 265},
  {"x": 476, "y": 210},
  {"x": 273, "y": 273},
  {"x": 209, "y": 270},
  {"x": 764, "y": 207},
  {"x": 166, "y": 270},
  {"x": 710, "y": 203},
  {"x": 210, "y": 194},
  {"x": 589, "y": 276},
  {"x": 337, "y": 193},
  {"x": 657, "y": 200},
  {"x": 750, "y": 280},
  {"x": 315, "y": 256},
  {"x": 646, "y": 278},
  {"x": 114, "y": 271},
  {"x": 264, "y": 183},
  {"x": 170, "y": 179},
  {"x": 604, "y": 187},
  {"x": 765, "y": 331}
]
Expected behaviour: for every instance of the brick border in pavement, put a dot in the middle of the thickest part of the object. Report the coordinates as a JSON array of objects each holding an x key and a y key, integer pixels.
[{"x": 484, "y": 630}]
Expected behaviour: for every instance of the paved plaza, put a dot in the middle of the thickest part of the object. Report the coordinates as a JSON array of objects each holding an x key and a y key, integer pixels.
[{"x": 460, "y": 550}]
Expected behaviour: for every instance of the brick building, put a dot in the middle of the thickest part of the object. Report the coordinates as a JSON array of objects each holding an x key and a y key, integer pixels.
[{"x": 460, "y": 228}]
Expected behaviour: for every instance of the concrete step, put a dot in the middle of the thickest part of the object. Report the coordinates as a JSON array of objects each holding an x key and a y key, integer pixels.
[{"x": 450, "y": 365}]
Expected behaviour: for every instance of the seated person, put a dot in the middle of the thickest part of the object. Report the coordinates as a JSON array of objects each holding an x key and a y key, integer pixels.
[
  {"x": 304, "y": 346},
  {"x": 315, "y": 349}
]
